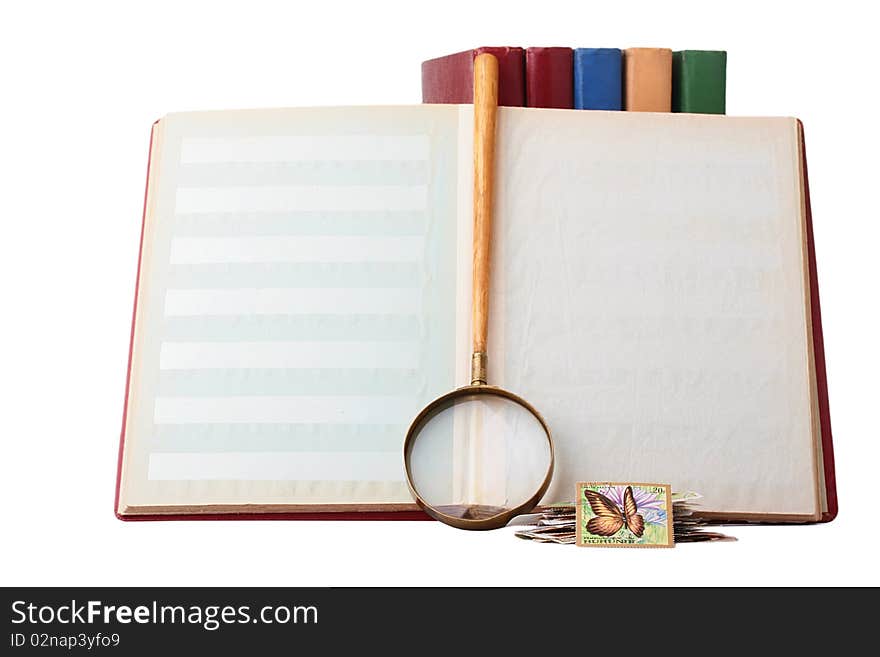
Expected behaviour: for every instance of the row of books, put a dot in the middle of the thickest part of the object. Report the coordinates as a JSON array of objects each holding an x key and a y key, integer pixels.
[{"x": 635, "y": 79}]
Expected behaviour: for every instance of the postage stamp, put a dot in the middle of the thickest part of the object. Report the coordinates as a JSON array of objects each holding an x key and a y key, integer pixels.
[{"x": 613, "y": 514}]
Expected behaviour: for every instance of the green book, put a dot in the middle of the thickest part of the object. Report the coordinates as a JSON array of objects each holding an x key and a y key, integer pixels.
[{"x": 699, "y": 80}]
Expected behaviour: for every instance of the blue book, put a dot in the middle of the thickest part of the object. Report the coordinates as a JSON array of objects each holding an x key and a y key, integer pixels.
[{"x": 598, "y": 78}]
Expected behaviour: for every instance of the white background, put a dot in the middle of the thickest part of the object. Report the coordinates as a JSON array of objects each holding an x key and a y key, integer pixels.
[{"x": 80, "y": 85}]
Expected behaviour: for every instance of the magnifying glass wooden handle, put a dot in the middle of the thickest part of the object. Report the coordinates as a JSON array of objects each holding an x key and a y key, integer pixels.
[{"x": 485, "y": 113}]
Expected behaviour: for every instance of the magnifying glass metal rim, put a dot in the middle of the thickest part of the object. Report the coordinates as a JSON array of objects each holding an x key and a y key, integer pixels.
[{"x": 441, "y": 403}]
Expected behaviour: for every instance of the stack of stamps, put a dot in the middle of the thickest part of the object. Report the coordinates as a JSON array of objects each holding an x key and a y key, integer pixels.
[{"x": 613, "y": 514}]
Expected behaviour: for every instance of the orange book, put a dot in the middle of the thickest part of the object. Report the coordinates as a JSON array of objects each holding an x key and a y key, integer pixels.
[{"x": 648, "y": 80}]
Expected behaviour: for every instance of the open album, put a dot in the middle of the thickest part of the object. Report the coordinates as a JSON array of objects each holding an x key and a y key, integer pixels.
[{"x": 304, "y": 290}]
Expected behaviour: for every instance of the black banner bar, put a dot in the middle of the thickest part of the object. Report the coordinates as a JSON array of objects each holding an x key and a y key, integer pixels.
[{"x": 124, "y": 621}]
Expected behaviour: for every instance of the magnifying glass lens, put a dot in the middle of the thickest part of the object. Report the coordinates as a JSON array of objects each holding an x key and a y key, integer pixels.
[{"x": 475, "y": 456}]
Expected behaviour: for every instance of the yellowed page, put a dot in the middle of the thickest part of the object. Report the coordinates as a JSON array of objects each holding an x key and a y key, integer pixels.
[{"x": 648, "y": 296}]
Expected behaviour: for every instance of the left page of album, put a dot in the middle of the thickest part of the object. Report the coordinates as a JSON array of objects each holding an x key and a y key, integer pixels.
[{"x": 296, "y": 307}]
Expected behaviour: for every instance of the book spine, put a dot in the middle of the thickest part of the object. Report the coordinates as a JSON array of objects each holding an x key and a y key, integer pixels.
[
  {"x": 549, "y": 78},
  {"x": 699, "y": 80},
  {"x": 647, "y": 79},
  {"x": 598, "y": 78},
  {"x": 450, "y": 79}
]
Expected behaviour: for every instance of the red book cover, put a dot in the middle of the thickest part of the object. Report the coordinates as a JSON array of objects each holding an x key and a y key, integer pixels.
[
  {"x": 549, "y": 81},
  {"x": 819, "y": 355},
  {"x": 450, "y": 79}
]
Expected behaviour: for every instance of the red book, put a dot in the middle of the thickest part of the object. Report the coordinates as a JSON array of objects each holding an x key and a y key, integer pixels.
[
  {"x": 549, "y": 78},
  {"x": 450, "y": 79}
]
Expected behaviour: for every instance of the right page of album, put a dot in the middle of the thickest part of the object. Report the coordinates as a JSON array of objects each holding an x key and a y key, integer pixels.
[{"x": 649, "y": 297}]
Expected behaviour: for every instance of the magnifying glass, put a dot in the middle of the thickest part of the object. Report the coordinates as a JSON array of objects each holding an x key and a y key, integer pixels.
[{"x": 479, "y": 455}]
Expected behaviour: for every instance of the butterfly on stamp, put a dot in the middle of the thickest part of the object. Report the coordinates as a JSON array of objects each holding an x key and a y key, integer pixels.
[{"x": 624, "y": 515}]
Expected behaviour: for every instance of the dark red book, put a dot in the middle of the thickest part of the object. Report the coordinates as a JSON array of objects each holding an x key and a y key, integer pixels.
[
  {"x": 549, "y": 81},
  {"x": 450, "y": 79}
]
